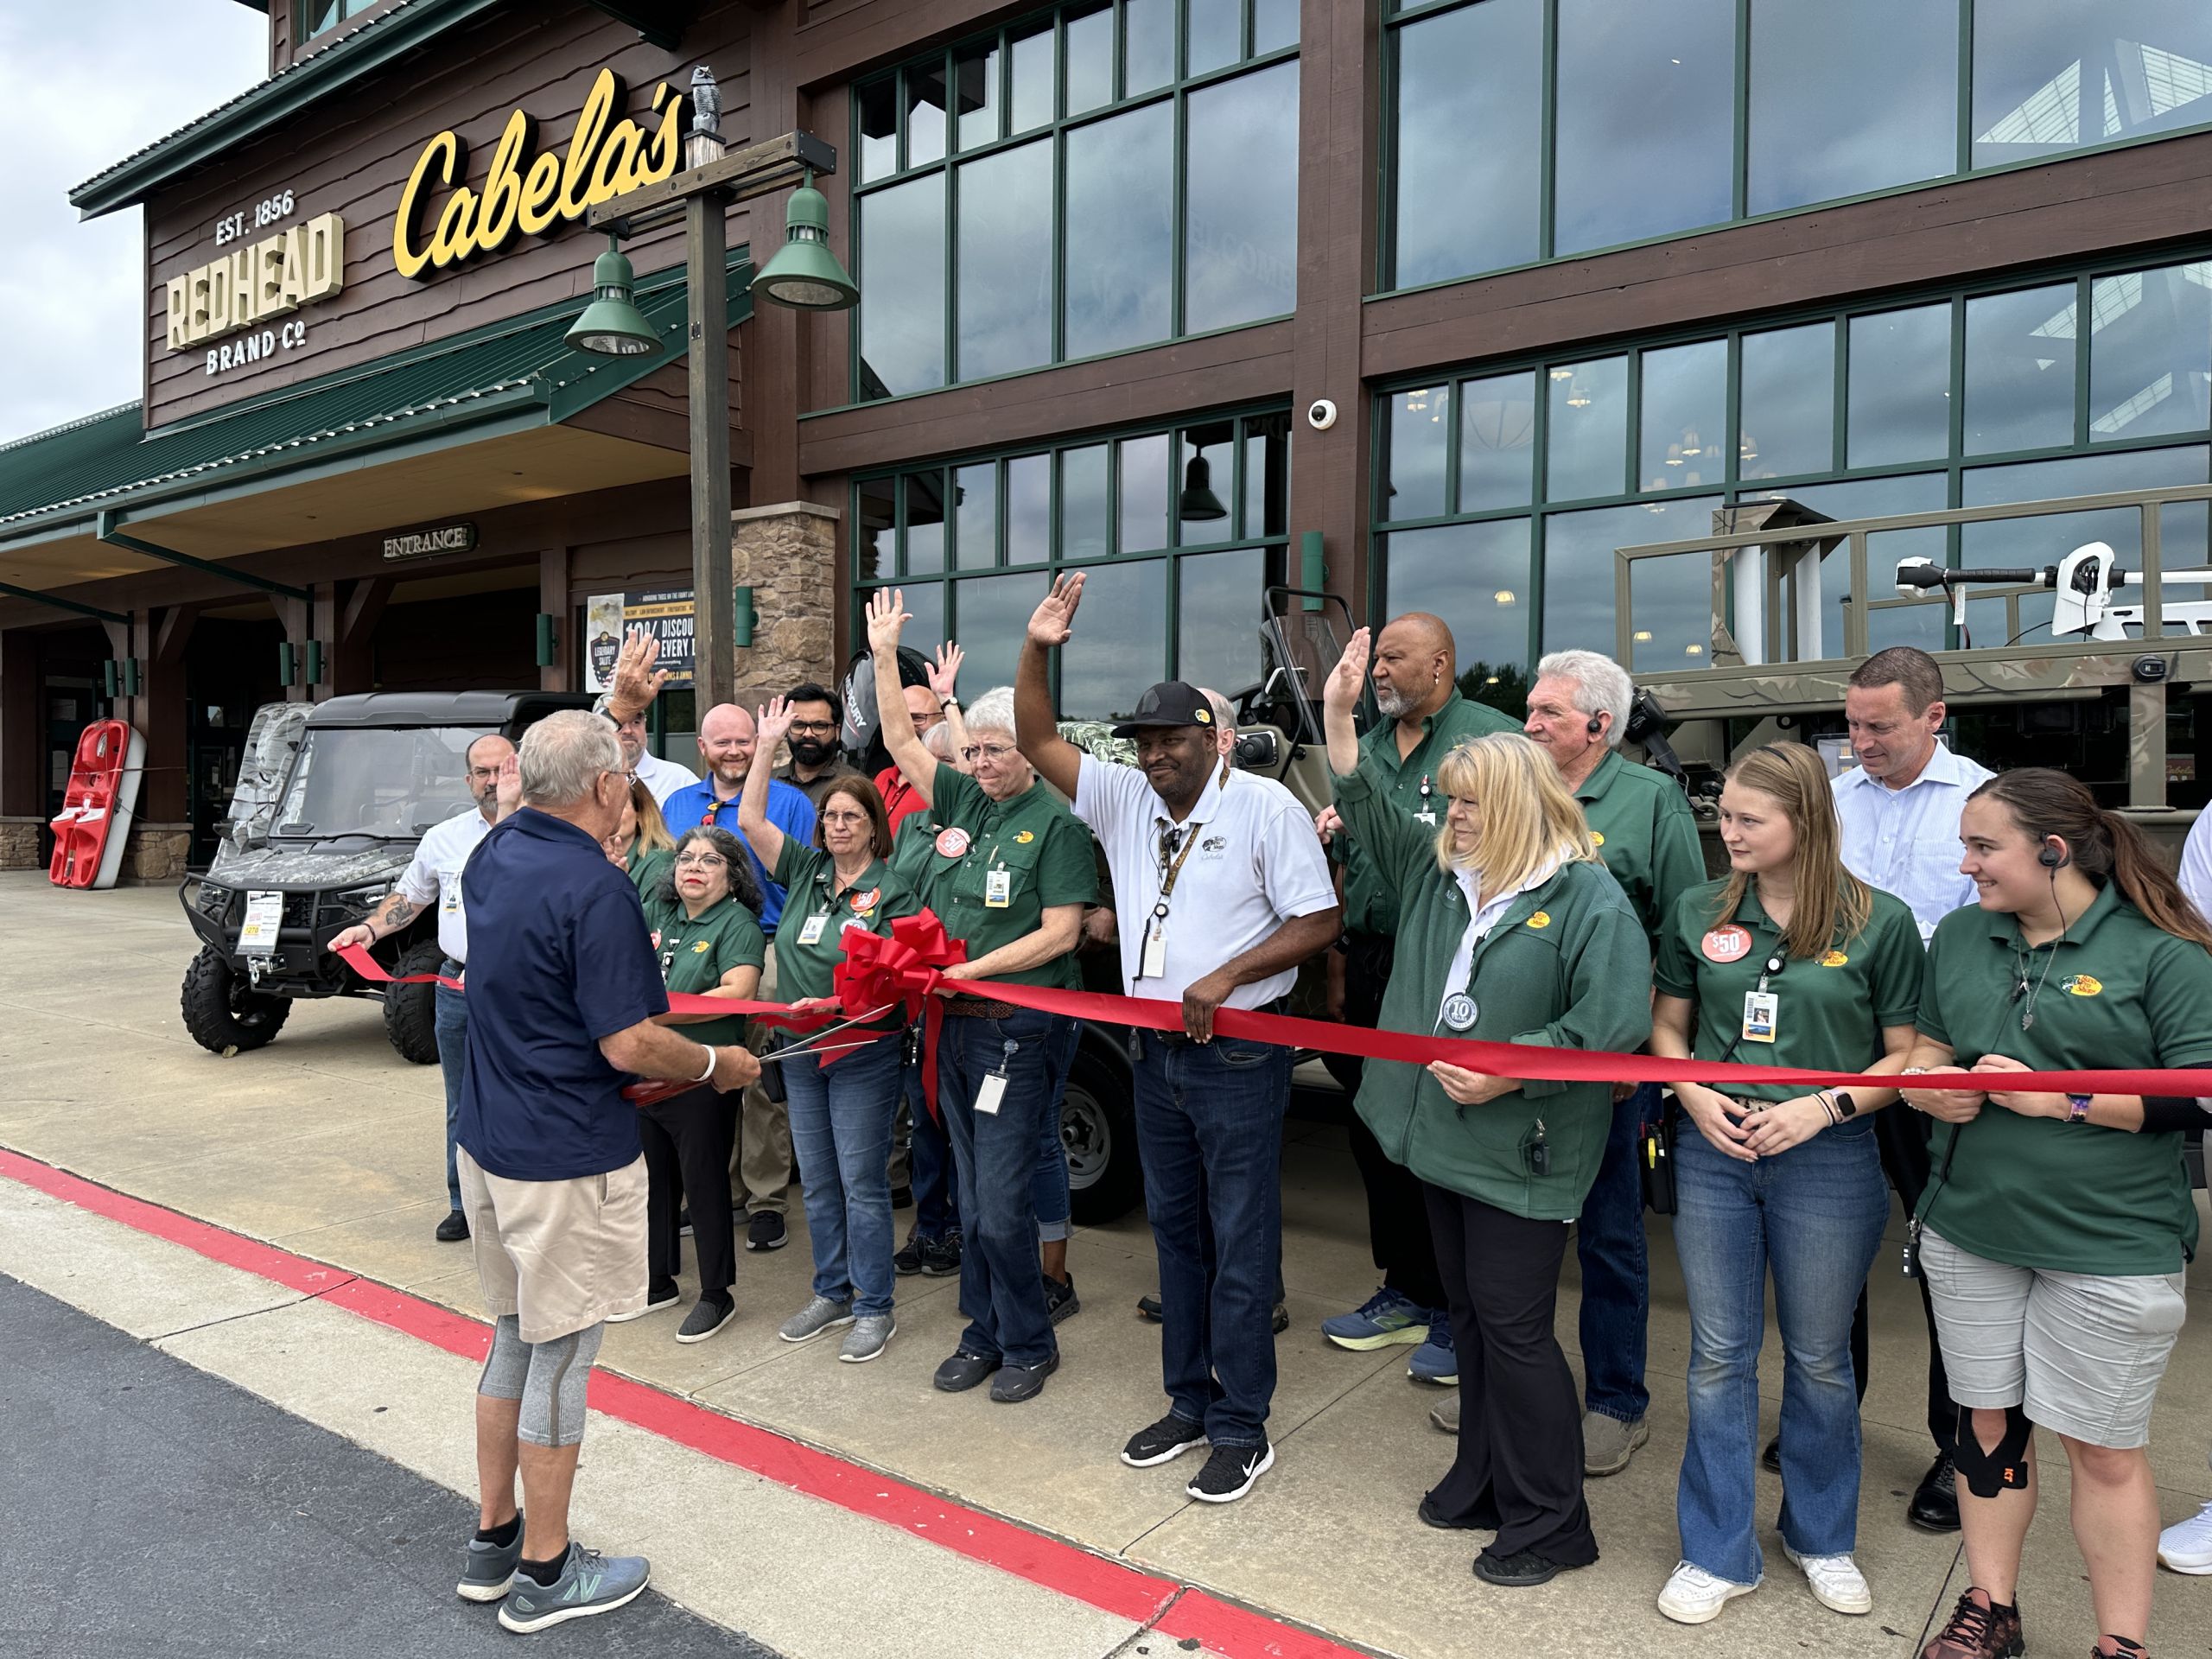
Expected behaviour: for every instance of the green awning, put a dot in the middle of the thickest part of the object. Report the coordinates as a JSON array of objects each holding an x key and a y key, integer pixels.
[{"x": 517, "y": 374}]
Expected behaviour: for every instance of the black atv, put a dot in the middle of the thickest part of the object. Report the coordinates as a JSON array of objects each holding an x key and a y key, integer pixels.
[{"x": 329, "y": 808}]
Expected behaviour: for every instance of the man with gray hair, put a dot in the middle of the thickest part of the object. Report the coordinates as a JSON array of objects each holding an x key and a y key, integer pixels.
[
  {"x": 563, "y": 993},
  {"x": 1646, "y": 833}
]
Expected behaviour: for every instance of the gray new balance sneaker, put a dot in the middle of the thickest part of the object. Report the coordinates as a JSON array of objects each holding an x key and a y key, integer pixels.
[
  {"x": 819, "y": 1314},
  {"x": 589, "y": 1583},
  {"x": 488, "y": 1569},
  {"x": 868, "y": 1337}
]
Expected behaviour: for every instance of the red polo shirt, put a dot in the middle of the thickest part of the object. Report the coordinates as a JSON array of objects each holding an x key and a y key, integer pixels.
[{"x": 901, "y": 798}]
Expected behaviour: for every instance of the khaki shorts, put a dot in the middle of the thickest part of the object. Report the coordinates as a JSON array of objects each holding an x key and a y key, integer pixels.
[
  {"x": 558, "y": 1256},
  {"x": 2083, "y": 1353}
]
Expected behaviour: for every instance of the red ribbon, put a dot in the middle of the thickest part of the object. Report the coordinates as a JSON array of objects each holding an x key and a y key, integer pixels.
[{"x": 903, "y": 968}]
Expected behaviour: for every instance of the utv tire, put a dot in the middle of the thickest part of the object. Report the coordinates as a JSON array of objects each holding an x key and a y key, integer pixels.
[
  {"x": 224, "y": 1012},
  {"x": 1098, "y": 1126},
  {"x": 411, "y": 1012}
]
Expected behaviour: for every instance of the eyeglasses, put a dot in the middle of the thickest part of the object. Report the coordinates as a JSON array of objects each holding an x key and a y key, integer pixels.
[
  {"x": 993, "y": 753},
  {"x": 844, "y": 817},
  {"x": 701, "y": 862},
  {"x": 814, "y": 725}
]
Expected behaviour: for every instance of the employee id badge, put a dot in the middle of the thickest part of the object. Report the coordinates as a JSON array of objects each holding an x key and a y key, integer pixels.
[
  {"x": 810, "y": 932},
  {"x": 998, "y": 889},
  {"x": 1155, "y": 963},
  {"x": 1760, "y": 1008},
  {"x": 453, "y": 896},
  {"x": 992, "y": 1095}
]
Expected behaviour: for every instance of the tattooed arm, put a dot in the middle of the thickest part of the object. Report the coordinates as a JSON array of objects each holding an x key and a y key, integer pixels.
[{"x": 389, "y": 917}]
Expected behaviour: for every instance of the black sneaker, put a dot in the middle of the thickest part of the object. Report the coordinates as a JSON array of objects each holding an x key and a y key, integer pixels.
[
  {"x": 710, "y": 1316},
  {"x": 683, "y": 1223},
  {"x": 964, "y": 1370},
  {"x": 1517, "y": 1572},
  {"x": 657, "y": 1296},
  {"x": 1060, "y": 1302},
  {"x": 941, "y": 1257},
  {"x": 1229, "y": 1472},
  {"x": 902, "y": 1197},
  {"x": 1165, "y": 1441},
  {"x": 454, "y": 1229},
  {"x": 1283, "y": 1318},
  {"x": 1771, "y": 1460},
  {"x": 1148, "y": 1307},
  {"x": 1015, "y": 1383},
  {"x": 907, "y": 1259},
  {"x": 766, "y": 1231}
]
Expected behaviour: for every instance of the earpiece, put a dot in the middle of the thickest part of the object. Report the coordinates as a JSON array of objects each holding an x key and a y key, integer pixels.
[
  {"x": 1595, "y": 725},
  {"x": 2054, "y": 857}
]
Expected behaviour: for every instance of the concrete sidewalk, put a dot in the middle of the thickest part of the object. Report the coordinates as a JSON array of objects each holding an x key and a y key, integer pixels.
[{"x": 328, "y": 1145}]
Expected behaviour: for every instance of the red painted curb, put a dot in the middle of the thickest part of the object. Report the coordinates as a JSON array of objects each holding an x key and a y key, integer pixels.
[{"x": 1112, "y": 1586}]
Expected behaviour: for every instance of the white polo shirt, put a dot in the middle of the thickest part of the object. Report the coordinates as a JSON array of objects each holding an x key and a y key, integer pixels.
[
  {"x": 1906, "y": 841},
  {"x": 663, "y": 777},
  {"x": 1255, "y": 864},
  {"x": 434, "y": 877}
]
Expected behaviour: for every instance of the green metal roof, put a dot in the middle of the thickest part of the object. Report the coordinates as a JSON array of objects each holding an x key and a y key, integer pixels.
[
  {"x": 518, "y": 372},
  {"x": 312, "y": 75}
]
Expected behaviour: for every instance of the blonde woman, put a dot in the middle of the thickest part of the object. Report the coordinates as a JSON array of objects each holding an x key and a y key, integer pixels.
[
  {"x": 1787, "y": 960},
  {"x": 1509, "y": 930}
]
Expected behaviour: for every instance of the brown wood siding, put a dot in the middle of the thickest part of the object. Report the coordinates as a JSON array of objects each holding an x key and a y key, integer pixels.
[{"x": 353, "y": 156}]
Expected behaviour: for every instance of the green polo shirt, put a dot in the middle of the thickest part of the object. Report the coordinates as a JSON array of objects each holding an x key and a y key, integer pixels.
[
  {"x": 696, "y": 951},
  {"x": 1646, "y": 834},
  {"x": 1038, "y": 850},
  {"x": 1829, "y": 1009},
  {"x": 807, "y": 966},
  {"x": 1565, "y": 966},
  {"x": 2113, "y": 991},
  {"x": 1408, "y": 783},
  {"x": 649, "y": 869}
]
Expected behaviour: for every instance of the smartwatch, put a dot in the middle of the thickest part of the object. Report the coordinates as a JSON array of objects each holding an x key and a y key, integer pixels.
[
  {"x": 1845, "y": 1104},
  {"x": 2077, "y": 1108}
]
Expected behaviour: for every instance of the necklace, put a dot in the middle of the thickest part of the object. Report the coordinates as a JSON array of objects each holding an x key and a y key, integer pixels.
[{"x": 2021, "y": 988}]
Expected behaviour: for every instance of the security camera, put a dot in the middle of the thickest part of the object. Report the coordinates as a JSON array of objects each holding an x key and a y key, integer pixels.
[{"x": 1321, "y": 413}]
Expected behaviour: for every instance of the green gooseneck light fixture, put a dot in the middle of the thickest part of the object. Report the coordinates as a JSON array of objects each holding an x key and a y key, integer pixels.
[
  {"x": 612, "y": 324},
  {"x": 804, "y": 274}
]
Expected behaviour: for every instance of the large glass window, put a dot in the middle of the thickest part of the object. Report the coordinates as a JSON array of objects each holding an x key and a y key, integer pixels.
[
  {"x": 1523, "y": 130},
  {"x": 1179, "y": 531},
  {"x": 1105, "y": 177},
  {"x": 1503, "y": 495},
  {"x": 317, "y": 16}
]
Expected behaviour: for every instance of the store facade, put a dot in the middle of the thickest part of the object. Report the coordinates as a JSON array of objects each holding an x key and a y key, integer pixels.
[{"x": 1473, "y": 291}]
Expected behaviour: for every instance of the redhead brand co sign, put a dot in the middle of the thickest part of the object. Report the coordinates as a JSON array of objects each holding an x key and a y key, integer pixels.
[
  {"x": 296, "y": 266},
  {"x": 527, "y": 192}
]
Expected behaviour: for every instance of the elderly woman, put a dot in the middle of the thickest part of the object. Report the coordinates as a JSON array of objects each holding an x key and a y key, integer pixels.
[
  {"x": 1008, "y": 870},
  {"x": 641, "y": 846},
  {"x": 841, "y": 1106},
  {"x": 704, "y": 913},
  {"x": 1509, "y": 930}
]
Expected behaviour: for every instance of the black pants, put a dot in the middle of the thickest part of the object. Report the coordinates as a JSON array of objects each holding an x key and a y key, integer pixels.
[
  {"x": 1902, "y": 1135},
  {"x": 687, "y": 1141},
  {"x": 1519, "y": 1469},
  {"x": 1397, "y": 1216}
]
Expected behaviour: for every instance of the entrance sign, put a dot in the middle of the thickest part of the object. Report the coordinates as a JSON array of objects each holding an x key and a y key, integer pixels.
[
  {"x": 533, "y": 194},
  {"x": 420, "y": 544}
]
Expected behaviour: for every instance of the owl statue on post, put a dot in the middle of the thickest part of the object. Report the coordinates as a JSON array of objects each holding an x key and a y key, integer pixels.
[{"x": 703, "y": 144}]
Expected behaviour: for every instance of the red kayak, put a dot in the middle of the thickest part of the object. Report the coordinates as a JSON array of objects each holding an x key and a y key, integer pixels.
[{"x": 96, "y": 813}]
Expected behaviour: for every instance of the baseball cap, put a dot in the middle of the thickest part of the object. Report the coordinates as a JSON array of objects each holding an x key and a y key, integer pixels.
[{"x": 1171, "y": 703}]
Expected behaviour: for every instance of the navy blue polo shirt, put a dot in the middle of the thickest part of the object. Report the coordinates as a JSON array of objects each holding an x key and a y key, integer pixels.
[{"x": 559, "y": 956}]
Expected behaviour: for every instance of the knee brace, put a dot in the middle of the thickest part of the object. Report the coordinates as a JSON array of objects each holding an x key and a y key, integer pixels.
[
  {"x": 508, "y": 1363},
  {"x": 1988, "y": 1473},
  {"x": 553, "y": 1392}
]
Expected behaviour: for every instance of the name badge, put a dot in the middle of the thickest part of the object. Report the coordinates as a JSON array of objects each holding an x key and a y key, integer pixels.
[
  {"x": 992, "y": 1095},
  {"x": 453, "y": 895},
  {"x": 1760, "y": 1008},
  {"x": 1460, "y": 1010},
  {"x": 811, "y": 933},
  {"x": 1154, "y": 965},
  {"x": 998, "y": 889}
]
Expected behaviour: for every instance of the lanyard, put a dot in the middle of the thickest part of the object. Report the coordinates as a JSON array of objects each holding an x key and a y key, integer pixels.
[{"x": 1170, "y": 872}]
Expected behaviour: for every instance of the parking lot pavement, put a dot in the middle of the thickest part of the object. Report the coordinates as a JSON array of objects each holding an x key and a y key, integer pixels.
[{"x": 148, "y": 1507}]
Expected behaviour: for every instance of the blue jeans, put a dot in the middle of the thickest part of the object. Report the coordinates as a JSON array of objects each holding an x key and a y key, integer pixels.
[
  {"x": 1049, "y": 1181},
  {"x": 929, "y": 1163},
  {"x": 841, "y": 1129},
  {"x": 1616, "y": 1272},
  {"x": 1209, "y": 1129},
  {"x": 449, "y": 1019},
  {"x": 1001, "y": 1287},
  {"x": 1814, "y": 1215}
]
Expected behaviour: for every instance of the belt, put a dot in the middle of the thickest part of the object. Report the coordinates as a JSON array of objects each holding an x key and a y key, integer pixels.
[
  {"x": 1180, "y": 1039},
  {"x": 974, "y": 1008}
]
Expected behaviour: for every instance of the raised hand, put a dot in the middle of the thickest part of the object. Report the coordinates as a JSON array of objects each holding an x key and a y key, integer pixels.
[
  {"x": 508, "y": 790},
  {"x": 886, "y": 617},
  {"x": 945, "y": 670},
  {"x": 1053, "y": 621},
  {"x": 773, "y": 721},
  {"x": 636, "y": 682},
  {"x": 1340, "y": 692}
]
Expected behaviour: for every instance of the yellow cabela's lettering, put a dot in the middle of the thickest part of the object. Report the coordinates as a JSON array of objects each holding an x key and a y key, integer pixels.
[
  {"x": 237, "y": 291},
  {"x": 531, "y": 193}
]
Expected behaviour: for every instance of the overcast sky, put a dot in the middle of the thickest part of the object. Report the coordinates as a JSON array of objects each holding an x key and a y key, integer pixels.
[{"x": 89, "y": 82}]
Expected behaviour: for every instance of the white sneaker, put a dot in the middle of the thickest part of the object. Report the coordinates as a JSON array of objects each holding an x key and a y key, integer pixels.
[
  {"x": 2186, "y": 1546},
  {"x": 1835, "y": 1580},
  {"x": 1693, "y": 1596}
]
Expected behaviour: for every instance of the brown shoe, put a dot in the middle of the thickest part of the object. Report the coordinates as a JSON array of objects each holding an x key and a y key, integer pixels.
[{"x": 1977, "y": 1630}]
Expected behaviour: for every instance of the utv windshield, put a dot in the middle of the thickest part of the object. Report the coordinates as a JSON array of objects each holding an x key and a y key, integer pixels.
[{"x": 392, "y": 784}]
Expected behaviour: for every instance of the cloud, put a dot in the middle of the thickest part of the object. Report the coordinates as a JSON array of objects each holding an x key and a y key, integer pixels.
[{"x": 89, "y": 84}]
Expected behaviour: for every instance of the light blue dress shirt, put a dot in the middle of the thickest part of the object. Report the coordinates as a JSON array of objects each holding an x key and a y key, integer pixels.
[{"x": 1906, "y": 841}]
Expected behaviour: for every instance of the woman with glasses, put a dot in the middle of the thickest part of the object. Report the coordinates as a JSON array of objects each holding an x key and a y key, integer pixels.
[
  {"x": 1008, "y": 869},
  {"x": 1789, "y": 960},
  {"x": 704, "y": 916},
  {"x": 841, "y": 1105},
  {"x": 641, "y": 846}
]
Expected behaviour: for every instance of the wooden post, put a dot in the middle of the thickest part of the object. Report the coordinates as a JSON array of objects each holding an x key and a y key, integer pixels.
[{"x": 706, "y": 243}]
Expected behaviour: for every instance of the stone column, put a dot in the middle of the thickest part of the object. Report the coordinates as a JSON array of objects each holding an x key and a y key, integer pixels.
[{"x": 789, "y": 555}]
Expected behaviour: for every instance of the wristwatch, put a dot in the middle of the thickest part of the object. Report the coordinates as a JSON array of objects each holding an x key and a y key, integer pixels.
[
  {"x": 2077, "y": 1108},
  {"x": 1845, "y": 1104}
]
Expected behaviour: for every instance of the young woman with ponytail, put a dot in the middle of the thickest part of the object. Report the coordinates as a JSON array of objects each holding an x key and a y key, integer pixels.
[{"x": 2055, "y": 1229}]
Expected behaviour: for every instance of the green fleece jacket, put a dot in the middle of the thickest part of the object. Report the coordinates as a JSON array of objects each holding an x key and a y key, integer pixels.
[{"x": 1565, "y": 967}]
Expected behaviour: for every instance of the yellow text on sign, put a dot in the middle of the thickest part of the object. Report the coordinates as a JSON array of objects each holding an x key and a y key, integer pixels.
[{"x": 302, "y": 264}]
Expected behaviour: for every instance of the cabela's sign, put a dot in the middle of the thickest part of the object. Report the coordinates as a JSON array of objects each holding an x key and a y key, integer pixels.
[{"x": 529, "y": 193}]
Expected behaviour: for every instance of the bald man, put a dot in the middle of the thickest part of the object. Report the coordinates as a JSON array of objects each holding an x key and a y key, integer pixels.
[{"x": 1417, "y": 691}]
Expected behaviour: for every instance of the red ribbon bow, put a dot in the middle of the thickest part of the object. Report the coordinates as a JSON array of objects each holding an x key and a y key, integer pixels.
[{"x": 903, "y": 968}]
